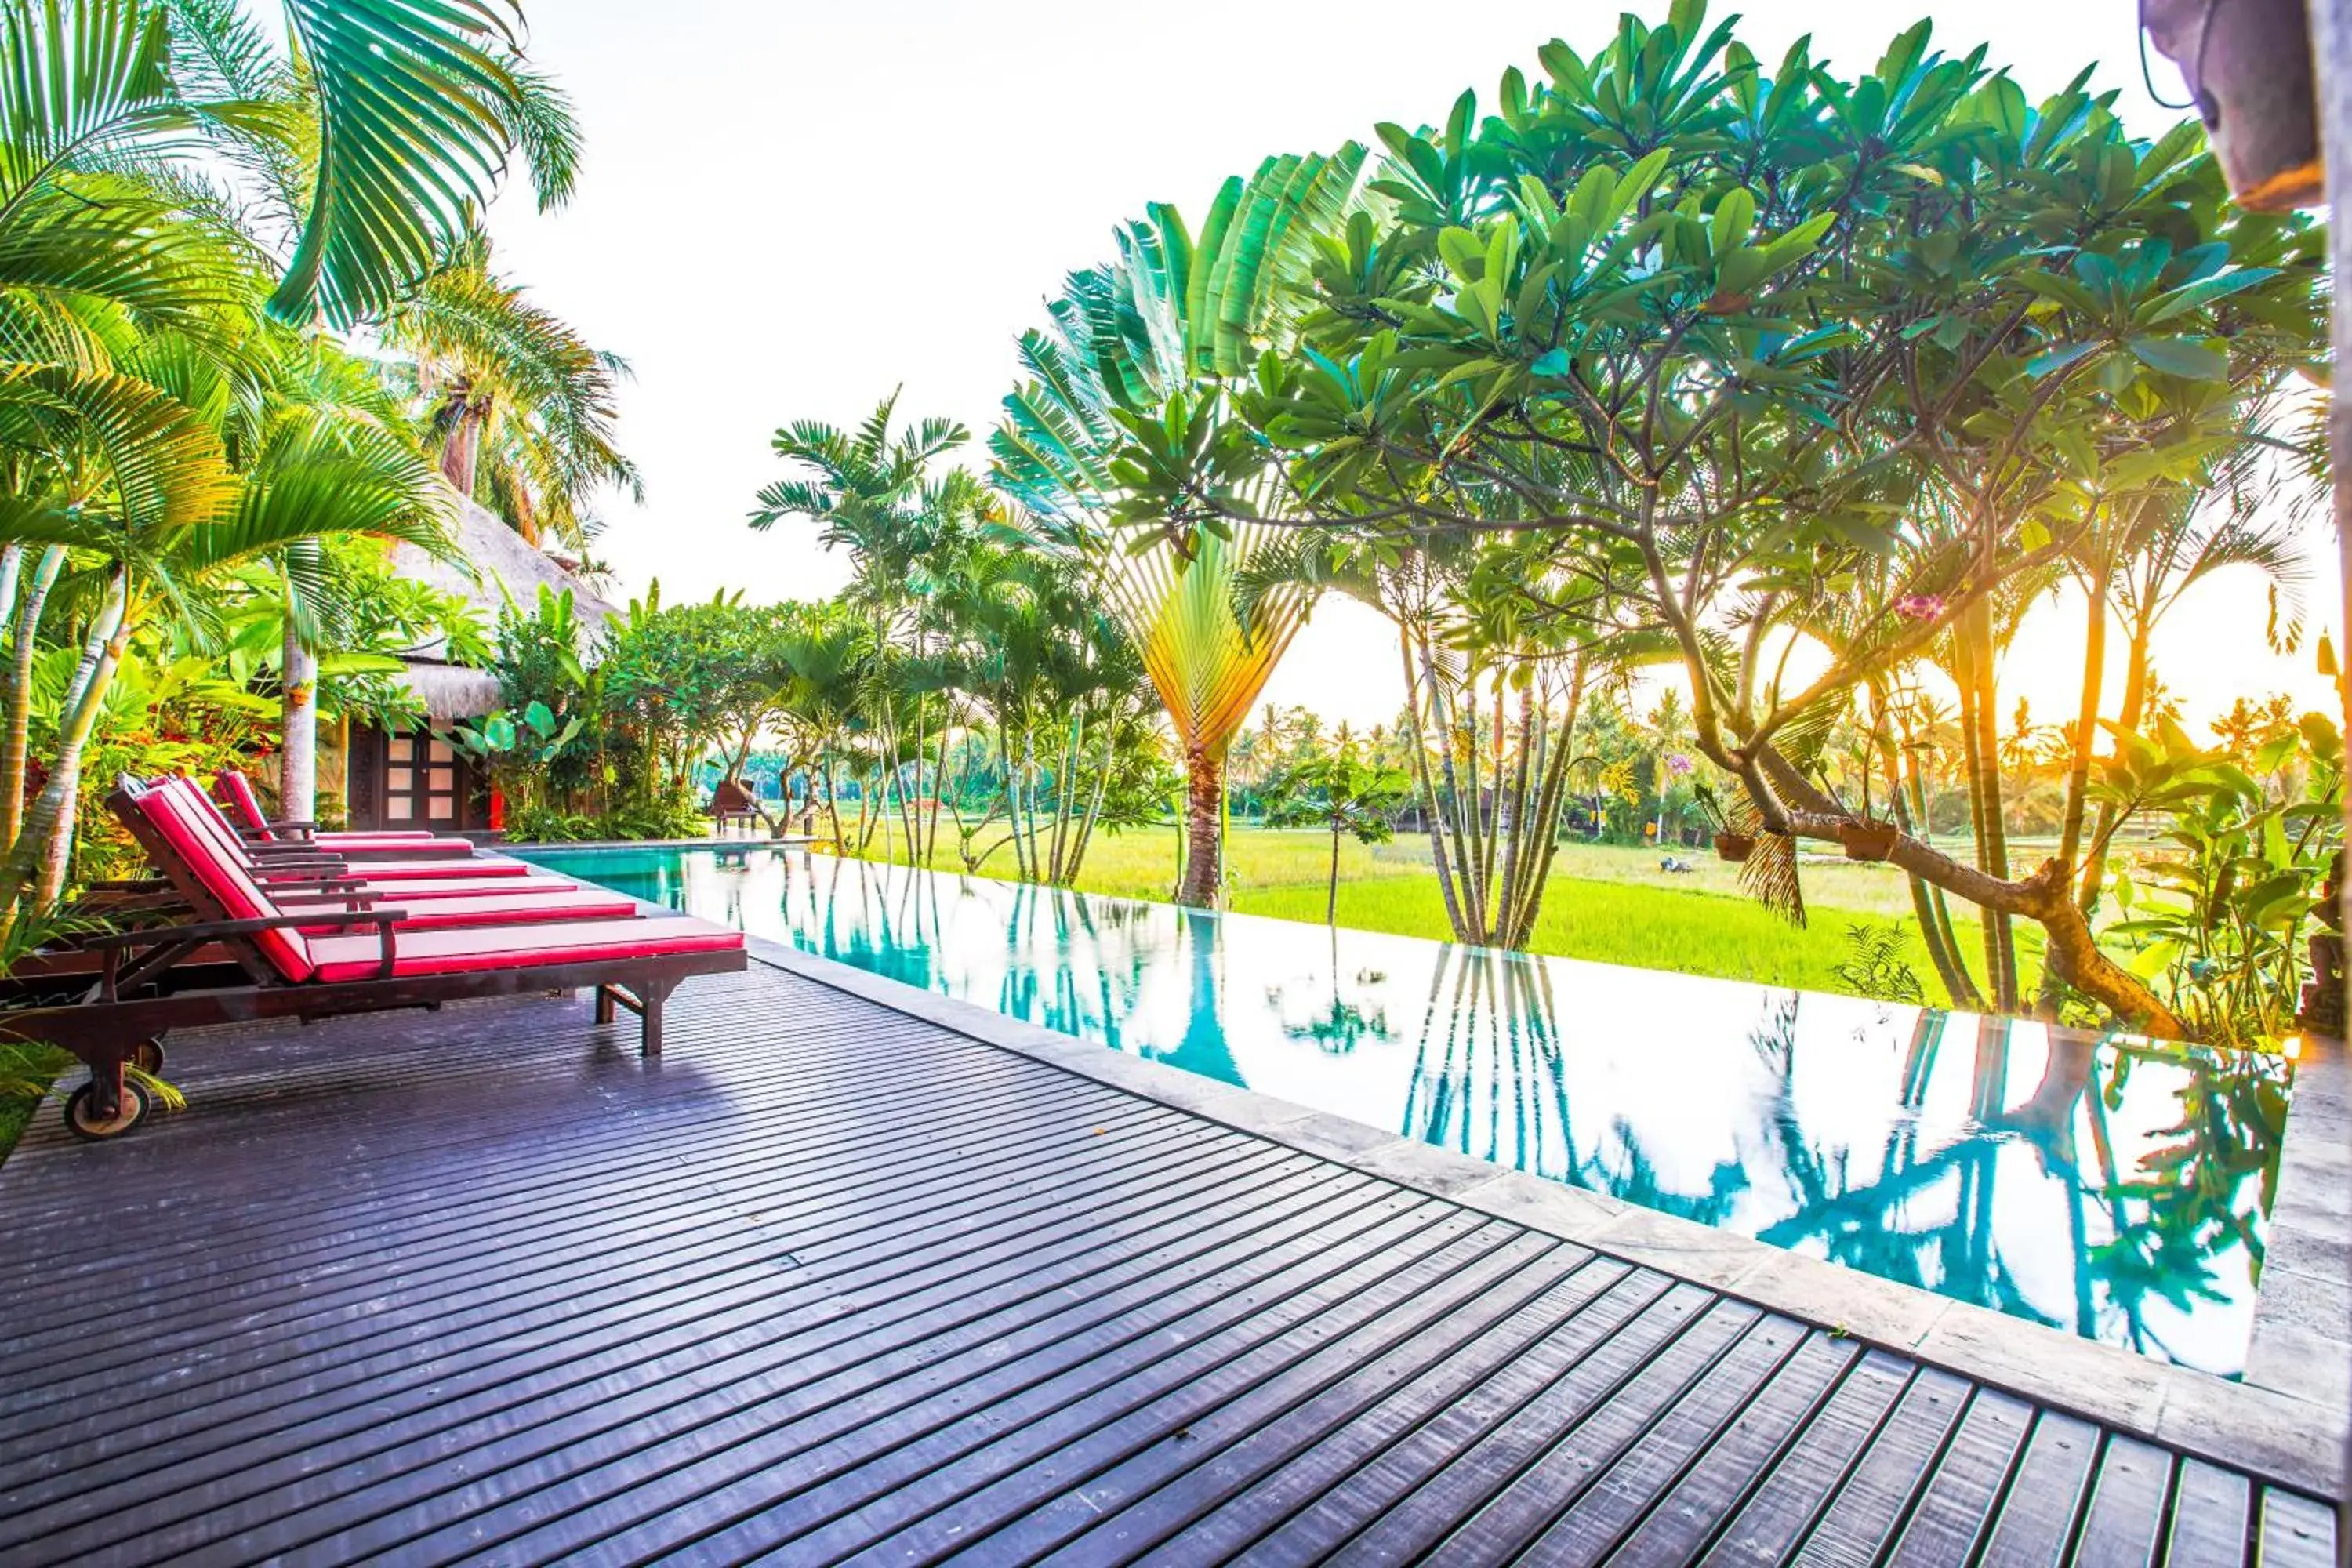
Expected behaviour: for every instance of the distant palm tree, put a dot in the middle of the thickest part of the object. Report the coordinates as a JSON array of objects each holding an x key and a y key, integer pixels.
[{"x": 520, "y": 408}]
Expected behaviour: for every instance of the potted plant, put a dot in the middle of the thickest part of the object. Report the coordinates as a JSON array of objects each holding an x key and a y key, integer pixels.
[
  {"x": 1864, "y": 836},
  {"x": 1868, "y": 840},
  {"x": 1731, "y": 844}
]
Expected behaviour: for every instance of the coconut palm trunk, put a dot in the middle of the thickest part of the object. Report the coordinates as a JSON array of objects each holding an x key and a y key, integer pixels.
[
  {"x": 43, "y": 851},
  {"x": 18, "y": 692},
  {"x": 297, "y": 757}
]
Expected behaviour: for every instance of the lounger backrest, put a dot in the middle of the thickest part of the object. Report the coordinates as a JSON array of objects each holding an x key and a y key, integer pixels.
[
  {"x": 206, "y": 815},
  {"x": 236, "y": 792},
  {"x": 225, "y": 877}
]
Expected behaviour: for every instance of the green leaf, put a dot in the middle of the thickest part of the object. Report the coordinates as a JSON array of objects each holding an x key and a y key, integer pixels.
[
  {"x": 2058, "y": 359},
  {"x": 417, "y": 115},
  {"x": 2181, "y": 357}
]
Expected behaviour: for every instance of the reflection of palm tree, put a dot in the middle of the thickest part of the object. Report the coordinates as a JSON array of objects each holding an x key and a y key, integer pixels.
[
  {"x": 1203, "y": 1050},
  {"x": 1341, "y": 1024}
]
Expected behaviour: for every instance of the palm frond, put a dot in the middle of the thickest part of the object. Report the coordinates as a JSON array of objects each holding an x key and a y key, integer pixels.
[{"x": 416, "y": 112}]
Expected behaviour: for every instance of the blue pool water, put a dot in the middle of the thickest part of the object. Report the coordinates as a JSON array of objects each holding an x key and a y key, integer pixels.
[{"x": 2114, "y": 1189}]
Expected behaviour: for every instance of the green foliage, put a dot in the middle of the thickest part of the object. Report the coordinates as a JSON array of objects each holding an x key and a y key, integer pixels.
[
  {"x": 2217, "y": 919},
  {"x": 1875, "y": 964}
]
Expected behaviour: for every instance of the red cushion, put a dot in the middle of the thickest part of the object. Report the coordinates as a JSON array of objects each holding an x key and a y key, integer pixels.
[
  {"x": 448, "y": 952},
  {"x": 411, "y": 841},
  {"x": 203, "y": 814},
  {"x": 238, "y": 790},
  {"x": 227, "y": 881},
  {"x": 585, "y": 904},
  {"x": 424, "y": 889},
  {"x": 360, "y": 846},
  {"x": 402, "y": 870}
]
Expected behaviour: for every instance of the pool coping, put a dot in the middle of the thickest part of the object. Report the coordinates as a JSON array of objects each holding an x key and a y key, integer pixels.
[{"x": 2289, "y": 1421}]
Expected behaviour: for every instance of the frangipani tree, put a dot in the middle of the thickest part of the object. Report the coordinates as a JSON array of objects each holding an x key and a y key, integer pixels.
[{"x": 1734, "y": 336}]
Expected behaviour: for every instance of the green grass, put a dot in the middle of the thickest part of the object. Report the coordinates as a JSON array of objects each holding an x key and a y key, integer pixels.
[
  {"x": 1606, "y": 903},
  {"x": 23, "y": 1064}
]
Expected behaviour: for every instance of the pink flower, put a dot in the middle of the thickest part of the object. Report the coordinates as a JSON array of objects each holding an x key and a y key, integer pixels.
[
  {"x": 1919, "y": 606},
  {"x": 1679, "y": 765}
]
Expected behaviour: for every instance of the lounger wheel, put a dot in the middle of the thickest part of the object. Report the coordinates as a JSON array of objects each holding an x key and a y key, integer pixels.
[
  {"x": 82, "y": 1124},
  {"x": 147, "y": 1056}
]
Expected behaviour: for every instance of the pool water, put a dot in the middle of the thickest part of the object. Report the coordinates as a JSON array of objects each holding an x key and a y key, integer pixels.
[{"x": 2118, "y": 1189}]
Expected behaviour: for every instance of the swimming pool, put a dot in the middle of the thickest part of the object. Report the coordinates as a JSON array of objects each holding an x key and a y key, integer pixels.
[{"x": 2116, "y": 1189}]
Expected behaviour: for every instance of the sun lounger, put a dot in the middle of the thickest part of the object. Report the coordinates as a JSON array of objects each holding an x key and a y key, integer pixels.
[
  {"x": 311, "y": 961},
  {"x": 248, "y": 820},
  {"x": 274, "y": 859}
]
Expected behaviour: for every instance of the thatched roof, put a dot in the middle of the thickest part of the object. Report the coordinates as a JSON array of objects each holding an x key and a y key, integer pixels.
[
  {"x": 450, "y": 691},
  {"x": 497, "y": 555}
]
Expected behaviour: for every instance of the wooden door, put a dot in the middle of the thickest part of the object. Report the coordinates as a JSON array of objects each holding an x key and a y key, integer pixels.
[{"x": 424, "y": 784}]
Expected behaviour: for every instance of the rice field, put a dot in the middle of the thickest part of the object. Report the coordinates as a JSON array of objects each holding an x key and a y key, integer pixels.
[{"x": 1608, "y": 903}]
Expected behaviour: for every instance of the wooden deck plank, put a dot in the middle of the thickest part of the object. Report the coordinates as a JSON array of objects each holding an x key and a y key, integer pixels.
[
  {"x": 2297, "y": 1532},
  {"x": 1595, "y": 1521},
  {"x": 1559, "y": 1477},
  {"x": 268, "y": 1366},
  {"x": 2123, "y": 1525},
  {"x": 1876, "y": 1499},
  {"x": 752, "y": 1312},
  {"x": 830, "y": 1281},
  {"x": 1679, "y": 1527},
  {"x": 1077, "y": 1460},
  {"x": 2211, "y": 1508},
  {"x": 914, "y": 1453},
  {"x": 1955, "y": 1515},
  {"x": 1218, "y": 1507},
  {"x": 1790, "y": 1496},
  {"x": 2037, "y": 1519},
  {"x": 588, "y": 1425}
]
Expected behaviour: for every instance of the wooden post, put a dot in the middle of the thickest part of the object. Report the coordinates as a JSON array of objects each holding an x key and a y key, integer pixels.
[{"x": 2331, "y": 50}]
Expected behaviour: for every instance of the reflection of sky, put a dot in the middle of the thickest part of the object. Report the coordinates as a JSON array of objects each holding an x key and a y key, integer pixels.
[{"x": 1938, "y": 1149}]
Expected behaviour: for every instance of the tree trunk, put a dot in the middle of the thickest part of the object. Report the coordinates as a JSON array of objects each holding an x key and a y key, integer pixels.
[
  {"x": 2043, "y": 897},
  {"x": 1430, "y": 818},
  {"x": 461, "y": 450},
  {"x": 44, "y": 850},
  {"x": 1464, "y": 902},
  {"x": 1204, "y": 796},
  {"x": 1934, "y": 931},
  {"x": 297, "y": 757},
  {"x": 19, "y": 693},
  {"x": 2128, "y": 716},
  {"x": 2078, "y": 769},
  {"x": 1331, "y": 885},
  {"x": 1992, "y": 847}
]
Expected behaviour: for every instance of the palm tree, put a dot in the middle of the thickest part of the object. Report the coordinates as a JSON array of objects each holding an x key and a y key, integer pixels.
[
  {"x": 1128, "y": 423},
  {"x": 871, "y": 491},
  {"x": 519, "y": 406},
  {"x": 154, "y": 424}
]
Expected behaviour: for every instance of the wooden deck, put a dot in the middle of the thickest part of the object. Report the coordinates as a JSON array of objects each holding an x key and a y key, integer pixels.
[{"x": 830, "y": 1283}]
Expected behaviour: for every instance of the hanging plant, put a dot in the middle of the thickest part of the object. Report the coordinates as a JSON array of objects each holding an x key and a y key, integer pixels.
[{"x": 1868, "y": 840}]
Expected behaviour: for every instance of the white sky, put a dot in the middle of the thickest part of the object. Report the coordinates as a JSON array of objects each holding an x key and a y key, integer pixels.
[{"x": 785, "y": 213}]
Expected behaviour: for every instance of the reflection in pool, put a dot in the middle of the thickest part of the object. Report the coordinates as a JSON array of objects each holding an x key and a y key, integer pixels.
[{"x": 2114, "y": 1189}]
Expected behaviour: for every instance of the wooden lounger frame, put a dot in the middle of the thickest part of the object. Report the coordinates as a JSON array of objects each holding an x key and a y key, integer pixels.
[{"x": 167, "y": 976}]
